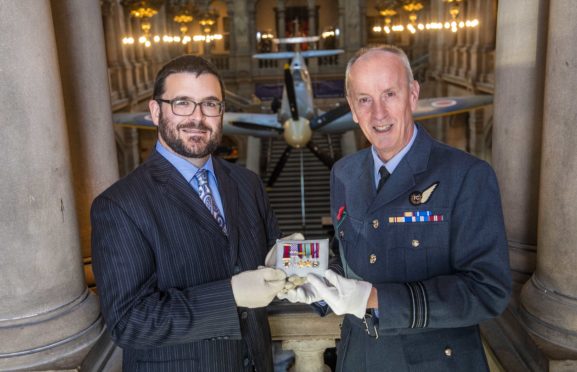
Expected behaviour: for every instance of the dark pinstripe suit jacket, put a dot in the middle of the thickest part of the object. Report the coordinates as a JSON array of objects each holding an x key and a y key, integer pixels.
[{"x": 163, "y": 269}]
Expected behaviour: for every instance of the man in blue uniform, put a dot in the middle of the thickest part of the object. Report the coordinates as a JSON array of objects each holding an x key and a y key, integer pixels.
[{"x": 423, "y": 252}]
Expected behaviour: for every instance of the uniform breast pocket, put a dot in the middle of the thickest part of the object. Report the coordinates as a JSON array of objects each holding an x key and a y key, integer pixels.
[
  {"x": 420, "y": 249},
  {"x": 348, "y": 230}
]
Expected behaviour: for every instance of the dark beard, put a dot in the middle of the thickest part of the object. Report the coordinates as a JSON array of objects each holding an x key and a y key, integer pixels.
[{"x": 180, "y": 147}]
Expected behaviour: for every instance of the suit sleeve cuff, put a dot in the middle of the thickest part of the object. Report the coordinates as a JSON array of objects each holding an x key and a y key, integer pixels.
[{"x": 403, "y": 305}]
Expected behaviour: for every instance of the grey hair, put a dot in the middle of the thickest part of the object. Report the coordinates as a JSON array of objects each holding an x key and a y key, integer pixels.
[{"x": 381, "y": 48}]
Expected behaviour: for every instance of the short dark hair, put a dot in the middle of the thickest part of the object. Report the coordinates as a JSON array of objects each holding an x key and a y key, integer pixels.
[{"x": 186, "y": 63}]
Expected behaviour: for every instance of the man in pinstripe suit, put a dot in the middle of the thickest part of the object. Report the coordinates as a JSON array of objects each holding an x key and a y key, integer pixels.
[{"x": 178, "y": 275}]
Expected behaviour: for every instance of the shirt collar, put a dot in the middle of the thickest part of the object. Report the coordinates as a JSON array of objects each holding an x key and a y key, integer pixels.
[
  {"x": 184, "y": 167},
  {"x": 395, "y": 160}
]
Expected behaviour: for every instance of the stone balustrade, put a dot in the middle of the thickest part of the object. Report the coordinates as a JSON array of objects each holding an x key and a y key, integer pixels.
[{"x": 304, "y": 332}]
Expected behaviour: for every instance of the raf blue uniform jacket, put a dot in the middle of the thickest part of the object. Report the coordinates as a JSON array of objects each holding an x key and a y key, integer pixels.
[
  {"x": 163, "y": 268},
  {"x": 436, "y": 277}
]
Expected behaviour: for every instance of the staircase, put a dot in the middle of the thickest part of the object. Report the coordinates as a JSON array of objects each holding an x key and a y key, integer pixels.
[{"x": 285, "y": 195}]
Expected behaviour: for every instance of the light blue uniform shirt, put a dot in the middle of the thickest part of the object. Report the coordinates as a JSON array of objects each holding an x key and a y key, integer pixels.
[
  {"x": 188, "y": 171},
  {"x": 394, "y": 161}
]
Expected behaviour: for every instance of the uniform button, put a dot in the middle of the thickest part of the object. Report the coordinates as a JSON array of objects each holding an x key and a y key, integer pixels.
[
  {"x": 375, "y": 224},
  {"x": 244, "y": 315},
  {"x": 448, "y": 352},
  {"x": 372, "y": 258},
  {"x": 246, "y": 362},
  {"x": 415, "y": 243},
  {"x": 342, "y": 234}
]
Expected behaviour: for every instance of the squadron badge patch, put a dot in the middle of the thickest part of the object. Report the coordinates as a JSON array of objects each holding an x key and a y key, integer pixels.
[{"x": 418, "y": 197}]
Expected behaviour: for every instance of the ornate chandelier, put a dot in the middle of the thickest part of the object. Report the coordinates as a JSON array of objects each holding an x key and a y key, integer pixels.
[{"x": 142, "y": 10}]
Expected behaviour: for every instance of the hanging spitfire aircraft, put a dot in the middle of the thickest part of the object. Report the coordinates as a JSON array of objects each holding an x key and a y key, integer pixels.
[{"x": 297, "y": 118}]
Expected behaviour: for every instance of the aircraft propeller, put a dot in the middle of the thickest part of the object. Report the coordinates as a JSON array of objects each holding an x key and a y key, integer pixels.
[{"x": 298, "y": 130}]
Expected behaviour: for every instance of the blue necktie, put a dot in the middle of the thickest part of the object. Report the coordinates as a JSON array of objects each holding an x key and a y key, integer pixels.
[{"x": 207, "y": 197}]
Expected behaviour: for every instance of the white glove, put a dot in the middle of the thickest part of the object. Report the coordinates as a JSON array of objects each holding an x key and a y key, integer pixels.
[
  {"x": 344, "y": 296},
  {"x": 305, "y": 294},
  {"x": 270, "y": 259},
  {"x": 257, "y": 288}
]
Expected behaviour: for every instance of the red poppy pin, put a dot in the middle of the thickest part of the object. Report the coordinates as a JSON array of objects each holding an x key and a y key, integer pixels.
[{"x": 340, "y": 213}]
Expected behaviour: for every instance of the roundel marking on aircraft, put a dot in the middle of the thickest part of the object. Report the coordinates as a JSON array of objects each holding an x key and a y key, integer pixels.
[{"x": 444, "y": 103}]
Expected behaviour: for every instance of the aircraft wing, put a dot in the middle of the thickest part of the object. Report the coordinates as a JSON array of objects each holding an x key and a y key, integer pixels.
[
  {"x": 427, "y": 108},
  {"x": 258, "y": 125},
  {"x": 340, "y": 125},
  {"x": 267, "y": 125},
  {"x": 140, "y": 120}
]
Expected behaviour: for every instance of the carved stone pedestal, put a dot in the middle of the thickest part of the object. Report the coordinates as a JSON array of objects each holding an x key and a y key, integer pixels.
[{"x": 305, "y": 333}]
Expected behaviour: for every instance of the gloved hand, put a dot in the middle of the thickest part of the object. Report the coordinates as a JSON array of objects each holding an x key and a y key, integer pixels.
[
  {"x": 270, "y": 259},
  {"x": 304, "y": 293},
  {"x": 257, "y": 288},
  {"x": 344, "y": 296}
]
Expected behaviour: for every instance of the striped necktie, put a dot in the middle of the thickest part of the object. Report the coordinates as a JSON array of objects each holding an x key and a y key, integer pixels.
[
  {"x": 384, "y": 175},
  {"x": 208, "y": 199}
]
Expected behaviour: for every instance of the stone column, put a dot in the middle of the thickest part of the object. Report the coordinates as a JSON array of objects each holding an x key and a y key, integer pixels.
[
  {"x": 342, "y": 35},
  {"x": 348, "y": 143},
  {"x": 476, "y": 138},
  {"x": 126, "y": 52},
  {"x": 517, "y": 125},
  {"x": 131, "y": 156},
  {"x": 48, "y": 318},
  {"x": 517, "y": 130},
  {"x": 138, "y": 48},
  {"x": 253, "y": 154},
  {"x": 112, "y": 42},
  {"x": 83, "y": 70},
  {"x": 474, "y": 43},
  {"x": 353, "y": 31},
  {"x": 549, "y": 299},
  {"x": 154, "y": 54},
  {"x": 438, "y": 127},
  {"x": 280, "y": 21},
  {"x": 488, "y": 18},
  {"x": 243, "y": 34},
  {"x": 312, "y": 14}
]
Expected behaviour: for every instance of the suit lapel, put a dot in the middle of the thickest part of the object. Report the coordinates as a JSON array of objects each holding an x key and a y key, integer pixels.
[
  {"x": 229, "y": 194},
  {"x": 177, "y": 189},
  {"x": 403, "y": 178}
]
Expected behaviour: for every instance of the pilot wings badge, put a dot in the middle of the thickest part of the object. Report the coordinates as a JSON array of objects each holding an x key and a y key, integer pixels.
[{"x": 418, "y": 197}]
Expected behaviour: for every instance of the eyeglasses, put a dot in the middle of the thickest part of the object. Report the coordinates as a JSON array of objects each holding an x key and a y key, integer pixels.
[{"x": 186, "y": 107}]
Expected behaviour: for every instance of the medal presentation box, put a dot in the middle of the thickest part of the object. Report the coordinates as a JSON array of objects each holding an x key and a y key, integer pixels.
[{"x": 301, "y": 257}]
